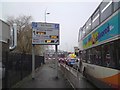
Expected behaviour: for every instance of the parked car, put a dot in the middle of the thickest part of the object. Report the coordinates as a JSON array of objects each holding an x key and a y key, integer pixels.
[
  {"x": 61, "y": 60},
  {"x": 54, "y": 58},
  {"x": 71, "y": 61}
]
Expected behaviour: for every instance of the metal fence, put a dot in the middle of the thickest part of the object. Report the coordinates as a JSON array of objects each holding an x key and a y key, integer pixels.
[{"x": 17, "y": 67}]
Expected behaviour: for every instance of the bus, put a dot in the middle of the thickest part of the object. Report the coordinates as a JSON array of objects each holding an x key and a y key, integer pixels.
[{"x": 99, "y": 40}]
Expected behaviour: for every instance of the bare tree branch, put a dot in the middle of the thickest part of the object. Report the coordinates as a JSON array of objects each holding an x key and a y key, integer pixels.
[{"x": 24, "y": 31}]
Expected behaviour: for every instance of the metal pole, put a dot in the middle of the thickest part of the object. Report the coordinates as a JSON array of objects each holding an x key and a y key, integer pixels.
[
  {"x": 33, "y": 62},
  {"x": 56, "y": 50},
  {"x": 45, "y": 14}
]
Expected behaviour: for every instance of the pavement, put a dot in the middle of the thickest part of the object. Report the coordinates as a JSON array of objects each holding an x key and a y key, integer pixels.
[{"x": 45, "y": 77}]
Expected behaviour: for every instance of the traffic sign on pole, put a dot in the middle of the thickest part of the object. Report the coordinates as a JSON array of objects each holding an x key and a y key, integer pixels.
[{"x": 45, "y": 33}]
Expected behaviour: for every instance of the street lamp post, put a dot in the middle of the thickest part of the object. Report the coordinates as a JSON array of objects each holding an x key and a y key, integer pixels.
[
  {"x": 55, "y": 48},
  {"x": 46, "y": 14},
  {"x": 45, "y": 22}
]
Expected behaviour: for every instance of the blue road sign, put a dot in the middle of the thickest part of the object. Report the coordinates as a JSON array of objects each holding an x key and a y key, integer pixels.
[
  {"x": 56, "y": 26},
  {"x": 34, "y": 25}
]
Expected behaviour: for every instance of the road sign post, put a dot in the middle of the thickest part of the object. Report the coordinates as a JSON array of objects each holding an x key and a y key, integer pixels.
[
  {"x": 44, "y": 34},
  {"x": 33, "y": 62},
  {"x": 56, "y": 58}
]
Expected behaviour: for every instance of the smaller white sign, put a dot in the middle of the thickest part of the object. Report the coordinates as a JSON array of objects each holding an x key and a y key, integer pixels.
[{"x": 45, "y": 33}]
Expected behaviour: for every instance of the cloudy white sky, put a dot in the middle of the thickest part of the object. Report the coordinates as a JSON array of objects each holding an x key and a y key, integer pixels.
[{"x": 70, "y": 14}]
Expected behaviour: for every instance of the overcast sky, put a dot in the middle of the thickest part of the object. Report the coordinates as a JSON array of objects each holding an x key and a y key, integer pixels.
[{"x": 70, "y": 14}]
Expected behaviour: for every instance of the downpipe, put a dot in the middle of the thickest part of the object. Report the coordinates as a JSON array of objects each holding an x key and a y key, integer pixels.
[{"x": 14, "y": 39}]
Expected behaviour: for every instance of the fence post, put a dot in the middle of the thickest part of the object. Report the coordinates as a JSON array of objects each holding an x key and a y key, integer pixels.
[{"x": 21, "y": 69}]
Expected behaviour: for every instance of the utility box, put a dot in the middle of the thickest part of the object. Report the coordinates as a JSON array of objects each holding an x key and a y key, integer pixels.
[
  {"x": 4, "y": 49},
  {"x": 4, "y": 39}
]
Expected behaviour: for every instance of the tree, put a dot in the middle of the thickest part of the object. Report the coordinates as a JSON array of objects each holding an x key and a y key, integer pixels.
[{"x": 24, "y": 35}]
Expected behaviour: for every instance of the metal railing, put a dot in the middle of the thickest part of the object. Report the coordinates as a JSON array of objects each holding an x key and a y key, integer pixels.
[{"x": 17, "y": 67}]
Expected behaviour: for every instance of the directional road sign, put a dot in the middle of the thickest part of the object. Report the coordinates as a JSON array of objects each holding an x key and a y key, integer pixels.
[{"x": 45, "y": 33}]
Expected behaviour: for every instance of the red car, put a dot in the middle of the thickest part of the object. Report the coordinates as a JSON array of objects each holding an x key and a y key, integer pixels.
[{"x": 61, "y": 60}]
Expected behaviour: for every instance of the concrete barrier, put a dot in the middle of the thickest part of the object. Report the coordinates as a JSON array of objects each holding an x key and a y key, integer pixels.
[{"x": 70, "y": 74}]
